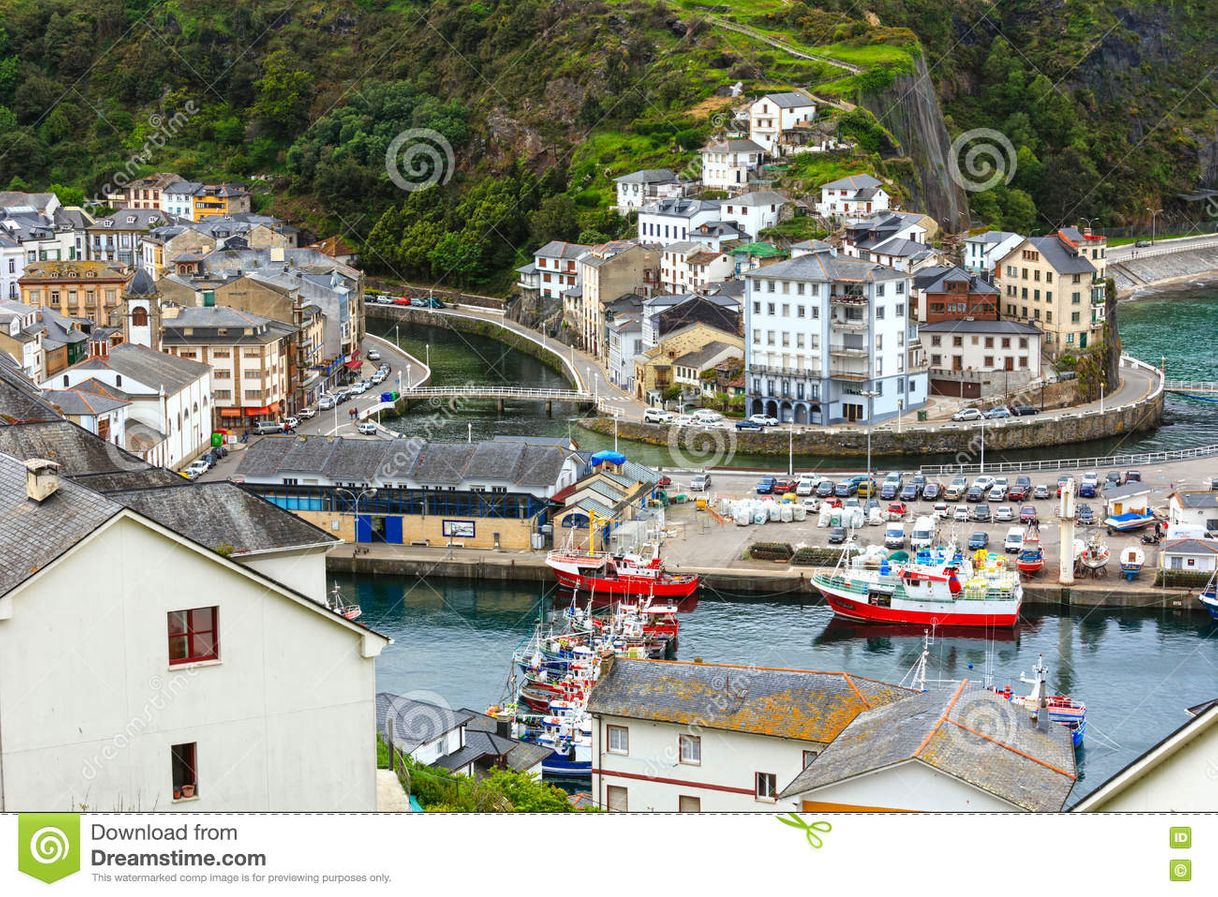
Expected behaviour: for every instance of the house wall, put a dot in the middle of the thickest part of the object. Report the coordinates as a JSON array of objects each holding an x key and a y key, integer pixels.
[
  {"x": 1025, "y": 274},
  {"x": 985, "y": 352},
  {"x": 910, "y": 786},
  {"x": 724, "y": 781},
  {"x": 514, "y": 535},
  {"x": 276, "y": 729},
  {"x": 1181, "y": 783},
  {"x": 301, "y": 569}
]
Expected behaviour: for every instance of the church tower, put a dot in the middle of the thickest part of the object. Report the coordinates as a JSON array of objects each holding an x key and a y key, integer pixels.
[{"x": 142, "y": 301}]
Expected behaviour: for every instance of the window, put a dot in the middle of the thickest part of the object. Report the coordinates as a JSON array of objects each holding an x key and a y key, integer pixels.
[
  {"x": 767, "y": 786},
  {"x": 619, "y": 739},
  {"x": 687, "y": 804},
  {"x": 182, "y": 760},
  {"x": 691, "y": 749},
  {"x": 809, "y": 756},
  {"x": 617, "y": 798},
  {"x": 194, "y": 635}
]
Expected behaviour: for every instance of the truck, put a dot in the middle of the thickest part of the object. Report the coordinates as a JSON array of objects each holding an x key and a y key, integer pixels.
[{"x": 923, "y": 534}]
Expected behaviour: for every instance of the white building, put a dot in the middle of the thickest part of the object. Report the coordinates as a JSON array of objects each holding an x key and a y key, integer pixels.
[
  {"x": 689, "y": 266},
  {"x": 641, "y": 188},
  {"x": 982, "y": 252},
  {"x": 1174, "y": 776},
  {"x": 728, "y": 164},
  {"x": 1192, "y": 514},
  {"x": 46, "y": 230},
  {"x": 829, "y": 339},
  {"x": 853, "y": 198},
  {"x": 21, "y": 336},
  {"x": 673, "y": 220},
  {"x": 775, "y": 113},
  {"x": 976, "y": 345},
  {"x": 102, "y": 415},
  {"x": 12, "y": 265},
  {"x": 169, "y": 396},
  {"x": 171, "y": 688},
  {"x": 754, "y": 211},
  {"x": 1189, "y": 555},
  {"x": 554, "y": 268},
  {"x": 178, "y": 199}
]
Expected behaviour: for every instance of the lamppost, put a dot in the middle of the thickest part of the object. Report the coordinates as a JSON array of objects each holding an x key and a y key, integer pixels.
[
  {"x": 900, "y": 405},
  {"x": 869, "y": 395},
  {"x": 1154, "y": 214},
  {"x": 1101, "y": 398},
  {"x": 367, "y": 492},
  {"x": 791, "y": 451},
  {"x": 982, "y": 444},
  {"x": 427, "y": 353}
]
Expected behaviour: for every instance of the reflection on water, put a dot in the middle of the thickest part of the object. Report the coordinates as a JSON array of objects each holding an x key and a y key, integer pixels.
[{"x": 1136, "y": 671}]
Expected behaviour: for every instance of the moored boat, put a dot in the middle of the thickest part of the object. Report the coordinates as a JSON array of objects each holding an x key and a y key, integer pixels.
[
  {"x": 1128, "y": 523},
  {"x": 1132, "y": 560},
  {"x": 942, "y": 587},
  {"x": 1209, "y": 596},
  {"x": 1032, "y": 557},
  {"x": 1061, "y": 709},
  {"x": 350, "y": 611},
  {"x": 603, "y": 573}
]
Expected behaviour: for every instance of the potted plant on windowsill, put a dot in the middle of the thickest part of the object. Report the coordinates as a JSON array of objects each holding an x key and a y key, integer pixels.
[
  {"x": 188, "y": 791},
  {"x": 177, "y": 793}
]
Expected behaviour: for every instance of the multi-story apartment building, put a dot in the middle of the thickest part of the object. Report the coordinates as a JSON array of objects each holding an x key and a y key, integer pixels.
[
  {"x": 853, "y": 198},
  {"x": 775, "y": 113},
  {"x": 673, "y": 220},
  {"x": 1057, "y": 282},
  {"x": 952, "y": 294},
  {"x": 829, "y": 339},
  {"x": 117, "y": 238},
  {"x": 607, "y": 272},
  {"x": 982, "y": 252},
  {"x": 640, "y": 188},
  {"x": 213, "y": 200},
  {"x": 249, "y": 355},
  {"x": 81, "y": 289},
  {"x": 45, "y": 230},
  {"x": 144, "y": 193},
  {"x": 728, "y": 164}
]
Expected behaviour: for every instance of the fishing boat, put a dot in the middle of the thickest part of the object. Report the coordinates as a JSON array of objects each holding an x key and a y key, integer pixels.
[
  {"x": 1128, "y": 523},
  {"x": 606, "y": 573},
  {"x": 1132, "y": 559},
  {"x": 1094, "y": 556},
  {"x": 1209, "y": 596},
  {"x": 1031, "y": 558},
  {"x": 940, "y": 587},
  {"x": 1061, "y": 709},
  {"x": 340, "y": 607}
]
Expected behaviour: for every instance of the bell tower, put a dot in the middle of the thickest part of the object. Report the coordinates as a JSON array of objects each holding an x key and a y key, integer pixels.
[{"x": 142, "y": 311}]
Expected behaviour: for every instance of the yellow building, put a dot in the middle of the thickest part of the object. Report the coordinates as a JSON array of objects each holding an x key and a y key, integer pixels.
[
  {"x": 78, "y": 289},
  {"x": 681, "y": 357},
  {"x": 220, "y": 199},
  {"x": 1057, "y": 283}
]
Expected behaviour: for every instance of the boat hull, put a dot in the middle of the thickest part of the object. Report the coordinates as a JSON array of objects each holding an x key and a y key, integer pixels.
[
  {"x": 628, "y": 585},
  {"x": 559, "y": 765},
  {"x": 1002, "y": 614},
  {"x": 1210, "y": 603}
]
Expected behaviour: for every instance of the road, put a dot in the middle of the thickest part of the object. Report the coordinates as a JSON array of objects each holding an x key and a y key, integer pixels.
[{"x": 1117, "y": 254}]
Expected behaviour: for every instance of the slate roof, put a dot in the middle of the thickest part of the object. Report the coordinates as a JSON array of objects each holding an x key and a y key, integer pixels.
[
  {"x": 789, "y": 100},
  {"x": 81, "y": 403},
  {"x": 703, "y": 357},
  {"x": 562, "y": 249},
  {"x": 798, "y": 704},
  {"x": 1126, "y": 490},
  {"x": 33, "y": 533},
  {"x": 758, "y": 198},
  {"x": 1190, "y": 546},
  {"x": 147, "y": 366},
  {"x": 991, "y": 236},
  {"x": 77, "y": 451},
  {"x": 21, "y": 400},
  {"x": 648, "y": 176},
  {"x": 823, "y": 267},
  {"x": 735, "y": 145},
  {"x": 133, "y": 219},
  {"x": 205, "y": 323},
  {"x": 1197, "y": 500},
  {"x": 971, "y": 735},
  {"x": 223, "y": 514},
  {"x": 415, "y": 722},
  {"x": 964, "y": 325},
  {"x": 854, "y": 181},
  {"x": 680, "y": 207},
  {"x": 977, "y": 284},
  {"x": 1062, "y": 258}
]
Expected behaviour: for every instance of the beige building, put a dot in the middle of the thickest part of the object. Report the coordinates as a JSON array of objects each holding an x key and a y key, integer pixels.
[
  {"x": 249, "y": 356},
  {"x": 78, "y": 289},
  {"x": 681, "y": 357},
  {"x": 1057, "y": 283},
  {"x": 607, "y": 272}
]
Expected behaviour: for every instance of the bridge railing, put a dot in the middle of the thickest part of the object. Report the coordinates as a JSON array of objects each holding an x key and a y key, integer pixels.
[
  {"x": 1132, "y": 459},
  {"x": 1191, "y": 385}
]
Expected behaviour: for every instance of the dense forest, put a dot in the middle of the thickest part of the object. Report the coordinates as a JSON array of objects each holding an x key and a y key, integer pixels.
[{"x": 536, "y": 105}]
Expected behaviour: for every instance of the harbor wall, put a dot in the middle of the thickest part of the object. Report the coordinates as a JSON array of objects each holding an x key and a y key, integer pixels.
[
  {"x": 915, "y": 439},
  {"x": 742, "y": 584},
  {"x": 1164, "y": 268}
]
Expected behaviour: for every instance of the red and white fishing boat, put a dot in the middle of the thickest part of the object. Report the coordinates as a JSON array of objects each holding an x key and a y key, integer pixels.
[
  {"x": 340, "y": 607},
  {"x": 1031, "y": 558},
  {"x": 604, "y": 573},
  {"x": 943, "y": 587}
]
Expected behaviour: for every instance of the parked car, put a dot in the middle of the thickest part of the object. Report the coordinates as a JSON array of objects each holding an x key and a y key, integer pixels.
[
  {"x": 664, "y": 481},
  {"x": 985, "y": 481},
  {"x": 782, "y": 485},
  {"x": 998, "y": 492},
  {"x": 1028, "y": 514},
  {"x": 700, "y": 483},
  {"x": 765, "y": 485},
  {"x": 307, "y": 413},
  {"x": 1061, "y": 482},
  {"x": 706, "y": 417},
  {"x": 805, "y": 486},
  {"x": 196, "y": 469},
  {"x": 402, "y": 300},
  {"x": 1024, "y": 410},
  {"x": 373, "y": 355},
  {"x": 978, "y": 540},
  {"x": 1013, "y": 543},
  {"x": 764, "y": 420},
  {"x": 956, "y": 488},
  {"x": 940, "y": 510},
  {"x": 357, "y": 388},
  {"x": 1141, "y": 244},
  {"x": 1004, "y": 514},
  {"x": 837, "y": 535},
  {"x": 1040, "y": 491},
  {"x": 267, "y": 427},
  {"x": 1020, "y": 488},
  {"x": 931, "y": 492},
  {"x": 960, "y": 513},
  {"x": 748, "y": 425},
  {"x": 967, "y": 414},
  {"x": 1112, "y": 478},
  {"x": 825, "y": 488},
  {"x": 291, "y": 423},
  {"x": 1088, "y": 489},
  {"x": 657, "y": 416},
  {"x": 868, "y": 488},
  {"x": 974, "y": 494},
  {"x": 909, "y": 492},
  {"x": 325, "y": 403},
  {"x": 998, "y": 412},
  {"x": 1085, "y": 515},
  {"x": 1133, "y": 476},
  {"x": 897, "y": 510},
  {"x": 889, "y": 490},
  {"x": 845, "y": 488},
  {"x": 981, "y": 513},
  {"x": 366, "y": 428}
]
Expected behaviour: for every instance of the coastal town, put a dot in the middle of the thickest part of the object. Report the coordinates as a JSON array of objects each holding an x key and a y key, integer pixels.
[{"x": 230, "y": 457}]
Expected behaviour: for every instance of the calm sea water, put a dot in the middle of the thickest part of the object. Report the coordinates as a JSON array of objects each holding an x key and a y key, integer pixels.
[{"x": 453, "y": 642}]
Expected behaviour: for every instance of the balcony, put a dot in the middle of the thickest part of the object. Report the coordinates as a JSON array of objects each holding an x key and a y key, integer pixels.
[
  {"x": 848, "y": 297},
  {"x": 851, "y": 325},
  {"x": 764, "y": 370},
  {"x": 848, "y": 351}
]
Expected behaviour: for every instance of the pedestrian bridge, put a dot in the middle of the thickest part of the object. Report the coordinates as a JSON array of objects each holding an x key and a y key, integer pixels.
[
  {"x": 502, "y": 394},
  {"x": 1192, "y": 387}
]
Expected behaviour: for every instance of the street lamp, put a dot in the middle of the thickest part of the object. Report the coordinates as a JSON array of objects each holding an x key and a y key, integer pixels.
[
  {"x": 982, "y": 444},
  {"x": 1154, "y": 214},
  {"x": 367, "y": 492},
  {"x": 900, "y": 405},
  {"x": 791, "y": 451},
  {"x": 869, "y": 395},
  {"x": 427, "y": 351}
]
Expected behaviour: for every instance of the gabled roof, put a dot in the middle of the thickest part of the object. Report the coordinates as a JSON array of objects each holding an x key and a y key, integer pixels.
[
  {"x": 415, "y": 722},
  {"x": 789, "y": 100},
  {"x": 81, "y": 403},
  {"x": 971, "y": 735},
  {"x": 648, "y": 176},
  {"x": 1197, "y": 500},
  {"x": 798, "y": 704},
  {"x": 1062, "y": 258},
  {"x": 825, "y": 267},
  {"x": 21, "y": 400},
  {"x": 977, "y": 285},
  {"x": 148, "y": 366},
  {"x": 758, "y": 198},
  {"x": 1189, "y": 546},
  {"x": 977, "y": 325},
  {"x": 853, "y": 181},
  {"x": 562, "y": 249},
  {"x": 734, "y": 145}
]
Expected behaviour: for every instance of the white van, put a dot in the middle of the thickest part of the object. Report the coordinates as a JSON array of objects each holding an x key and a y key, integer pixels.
[
  {"x": 894, "y": 535},
  {"x": 923, "y": 535},
  {"x": 657, "y": 416},
  {"x": 1014, "y": 540}
]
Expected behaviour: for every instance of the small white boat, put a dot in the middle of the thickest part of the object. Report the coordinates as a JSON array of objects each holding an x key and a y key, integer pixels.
[{"x": 1132, "y": 560}]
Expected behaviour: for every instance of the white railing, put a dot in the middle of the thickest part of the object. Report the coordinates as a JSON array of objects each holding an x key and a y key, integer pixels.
[
  {"x": 1190, "y": 386},
  {"x": 1122, "y": 254},
  {"x": 499, "y": 392}
]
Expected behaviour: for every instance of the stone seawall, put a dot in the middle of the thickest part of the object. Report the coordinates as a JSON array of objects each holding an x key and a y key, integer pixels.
[
  {"x": 714, "y": 447},
  {"x": 1162, "y": 270}
]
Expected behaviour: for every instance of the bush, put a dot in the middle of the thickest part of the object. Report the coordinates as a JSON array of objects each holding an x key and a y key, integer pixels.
[
  {"x": 1181, "y": 579},
  {"x": 816, "y": 557},
  {"x": 771, "y": 551}
]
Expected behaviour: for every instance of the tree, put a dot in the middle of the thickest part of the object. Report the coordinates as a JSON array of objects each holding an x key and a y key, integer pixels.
[
  {"x": 282, "y": 99},
  {"x": 1111, "y": 335},
  {"x": 555, "y": 219},
  {"x": 69, "y": 196}
]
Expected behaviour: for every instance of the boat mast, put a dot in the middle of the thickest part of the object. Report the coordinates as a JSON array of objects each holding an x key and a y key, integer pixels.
[{"x": 1037, "y": 700}]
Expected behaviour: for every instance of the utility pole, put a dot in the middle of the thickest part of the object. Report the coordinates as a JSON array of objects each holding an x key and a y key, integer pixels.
[
  {"x": 791, "y": 451},
  {"x": 1154, "y": 214}
]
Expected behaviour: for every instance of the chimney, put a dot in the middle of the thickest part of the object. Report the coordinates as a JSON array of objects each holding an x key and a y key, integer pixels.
[{"x": 41, "y": 479}]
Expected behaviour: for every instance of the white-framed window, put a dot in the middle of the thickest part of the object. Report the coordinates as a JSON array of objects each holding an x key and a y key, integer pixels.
[
  {"x": 691, "y": 749},
  {"x": 618, "y": 738},
  {"x": 766, "y": 787}
]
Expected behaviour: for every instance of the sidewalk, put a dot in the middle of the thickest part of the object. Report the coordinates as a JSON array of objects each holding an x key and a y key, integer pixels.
[{"x": 390, "y": 797}]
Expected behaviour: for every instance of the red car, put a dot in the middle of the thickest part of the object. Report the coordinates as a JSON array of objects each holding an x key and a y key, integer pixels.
[
  {"x": 401, "y": 300},
  {"x": 1027, "y": 514},
  {"x": 664, "y": 482},
  {"x": 1018, "y": 492},
  {"x": 783, "y": 486},
  {"x": 896, "y": 510}
]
